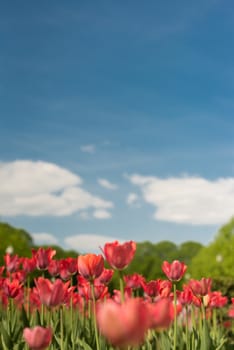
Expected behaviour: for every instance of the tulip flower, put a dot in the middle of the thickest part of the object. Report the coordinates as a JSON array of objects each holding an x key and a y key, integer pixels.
[
  {"x": 100, "y": 291},
  {"x": 186, "y": 296},
  {"x": 161, "y": 313},
  {"x": 12, "y": 262},
  {"x": 231, "y": 311},
  {"x": 12, "y": 288},
  {"x": 105, "y": 277},
  {"x": 202, "y": 287},
  {"x": 174, "y": 271},
  {"x": 37, "y": 338},
  {"x": 134, "y": 281},
  {"x": 90, "y": 266},
  {"x": 54, "y": 268},
  {"x": 123, "y": 324},
  {"x": 43, "y": 257},
  {"x": 119, "y": 255},
  {"x": 51, "y": 294},
  {"x": 151, "y": 288},
  {"x": 29, "y": 264},
  {"x": 67, "y": 267},
  {"x": 216, "y": 300}
]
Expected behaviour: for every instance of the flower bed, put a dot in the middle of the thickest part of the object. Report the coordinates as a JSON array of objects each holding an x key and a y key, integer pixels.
[{"x": 69, "y": 305}]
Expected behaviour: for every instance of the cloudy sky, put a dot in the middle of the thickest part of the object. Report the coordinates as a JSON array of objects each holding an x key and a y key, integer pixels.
[{"x": 117, "y": 120}]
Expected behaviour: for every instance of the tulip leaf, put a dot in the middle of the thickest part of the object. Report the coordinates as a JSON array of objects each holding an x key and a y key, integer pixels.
[
  {"x": 24, "y": 317},
  {"x": 84, "y": 345},
  {"x": 6, "y": 338}
]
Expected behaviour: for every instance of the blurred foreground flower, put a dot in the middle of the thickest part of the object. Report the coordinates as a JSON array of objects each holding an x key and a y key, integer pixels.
[
  {"x": 123, "y": 324},
  {"x": 37, "y": 338}
]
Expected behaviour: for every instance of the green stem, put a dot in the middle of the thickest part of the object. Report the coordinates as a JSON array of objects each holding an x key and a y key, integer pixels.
[
  {"x": 193, "y": 326},
  {"x": 175, "y": 317},
  {"x": 42, "y": 314},
  {"x": 61, "y": 328},
  {"x": 94, "y": 317},
  {"x": 71, "y": 319},
  {"x": 121, "y": 286},
  {"x": 186, "y": 329},
  {"x": 28, "y": 296},
  {"x": 214, "y": 316}
]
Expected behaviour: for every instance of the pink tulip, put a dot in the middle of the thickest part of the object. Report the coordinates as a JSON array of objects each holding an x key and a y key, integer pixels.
[
  {"x": 43, "y": 257},
  {"x": 123, "y": 324},
  {"x": 105, "y": 277},
  {"x": 51, "y": 294},
  {"x": 202, "y": 287},
  {"x": 161, "y": 313},
  {"x": 119, "y": 255},
  {"x": 90, "y": 266},
  {"x": 37, "y": 338},
  {"x": 174, "y": 271},
  {"x": 12, "y": 262},
  {"x": 11, "y": 288}
]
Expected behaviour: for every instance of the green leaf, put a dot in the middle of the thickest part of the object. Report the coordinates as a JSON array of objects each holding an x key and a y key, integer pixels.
[
  {"x": 6, "y": 338},
  {"x": 84, "y": 345},
  {"x": 24, "y": 318}
]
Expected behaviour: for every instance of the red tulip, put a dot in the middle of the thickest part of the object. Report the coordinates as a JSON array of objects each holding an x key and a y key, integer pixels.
[
  {"x": 12, "y": 262},
  {"x": 134, "y": 281},
  {"x": 29, "y": 264},
  {"x": 43, "y": 257},
  {"x": 151, "y": 288},
  {"x": 216, "y": 300},
  {"x": 161, "y": 315},
  {"x": 117, "y": 297},
  {"x": 164, "y": 288},
  {"x": 105, "y": 277},
  {"x": 68, "y": 267},
  {"x": 174, "y": 271},
  {"x": 12, "y": 288},
  {"x": 37, "y": 338},
  {"x": 123, "y": 324},
  {"x": 202, "y": 287},
  {"x": 186, "y": 296},
  {"x": 51, "y": 294},
  {"x": 90, "y": 266},
  {"x": 119, "y": 255},
  {"x": 100, "y": 291},
  {"x": 54, "y": 268},
  {"x": 19, "y": 275},
  {"x": 231, "y": 312}
]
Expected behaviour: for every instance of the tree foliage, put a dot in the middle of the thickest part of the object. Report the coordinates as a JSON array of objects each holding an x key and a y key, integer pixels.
[
  {"x": 216, "y": 259},
  {"x": 22, "y": 243},
  {"x": 19, "y": 239},
  {"x": 150, "y": 256}
]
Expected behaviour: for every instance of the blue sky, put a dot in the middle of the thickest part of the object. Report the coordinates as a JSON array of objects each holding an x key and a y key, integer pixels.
[{"x": 117, "y": 120}]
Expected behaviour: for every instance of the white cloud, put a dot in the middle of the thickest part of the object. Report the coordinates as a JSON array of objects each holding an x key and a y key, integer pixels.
[
  {"x": 40, "y": 188},
  {"x": 44, "y": 238},
  {"x": 88, "y": 148},
  {"x": 188, "y": 200},
  {"x": 133, "y": 199},
  {"x": 107, "y": 184},
  {"x": 102, "y": 214},
  {"x": 88, "y": 243},
  {"x": 84, "y": 215}
]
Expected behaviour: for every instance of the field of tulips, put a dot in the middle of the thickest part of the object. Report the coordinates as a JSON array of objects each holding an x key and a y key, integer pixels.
[{"x": 67, "y": 305}]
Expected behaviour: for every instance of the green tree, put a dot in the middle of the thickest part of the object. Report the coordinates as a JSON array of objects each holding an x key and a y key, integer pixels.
[
  {"x": 19, "y": 239},
  {"x": 216, "y": 259}
]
